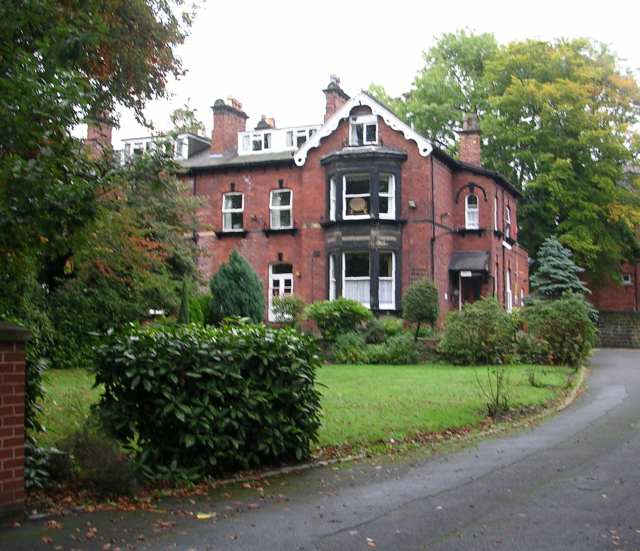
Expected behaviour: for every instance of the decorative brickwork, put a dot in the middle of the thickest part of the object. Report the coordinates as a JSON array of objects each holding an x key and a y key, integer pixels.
[
  {"x": 619, "y": 329},
  {"x": 12, "y": 404}
]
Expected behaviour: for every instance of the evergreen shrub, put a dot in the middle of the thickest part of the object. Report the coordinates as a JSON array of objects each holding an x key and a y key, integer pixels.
[
  {"x": 421, "y": 304},
  {"x": 209, "y": 399}
]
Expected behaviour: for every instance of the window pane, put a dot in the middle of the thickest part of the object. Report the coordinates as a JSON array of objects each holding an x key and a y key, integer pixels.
[
  {"x": 233, "y": 201},
  {"x": 290, "y": 138},
  {"x": 300, "y": 139},
  {"x": 385, "y": 180},
  {"x": 282, "y": 269},
  {"x": 246, "y": 142},
  {"x": 371, "y": 133},
  {"x": 386, "y": 264},
  {"x": 357, "y": 184},
  {"x": 267, "y": 141},
  {"x": 358, "y": 206},
  {"x": 356, "y": 265},
  {"x": 236, "y": 220},
  {"x": 281, "y": 198},
  {"x": 280, "y": 219},
  {"x": 384, "y": 205},
  {"x": 472, "y": 201},
  {"x": 257, "y": 143},
  {"x": 357, "y": 134}
]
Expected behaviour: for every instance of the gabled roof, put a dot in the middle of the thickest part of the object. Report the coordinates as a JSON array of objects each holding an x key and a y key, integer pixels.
[{"x": 363, "y": 98}]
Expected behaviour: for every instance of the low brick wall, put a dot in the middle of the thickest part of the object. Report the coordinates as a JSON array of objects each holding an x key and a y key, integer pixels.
[
  {"x": 619, "y": 329},
  {"x": 12, "y": 403}
]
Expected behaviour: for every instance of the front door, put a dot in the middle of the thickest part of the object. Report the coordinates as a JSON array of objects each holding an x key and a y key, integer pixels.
[
  {"x": 470, "y": 288},
  {"x": 280, "y": 284}
]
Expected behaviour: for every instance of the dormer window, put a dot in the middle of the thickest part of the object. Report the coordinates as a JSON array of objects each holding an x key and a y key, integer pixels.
[
  {"x": 261, "y": 141},
  {"x": 364, "y": 130},
  {"x": 472, "y": 212}
]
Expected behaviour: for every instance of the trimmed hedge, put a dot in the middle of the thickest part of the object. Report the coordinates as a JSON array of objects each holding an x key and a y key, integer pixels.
[{"x": 199, "y": 399}]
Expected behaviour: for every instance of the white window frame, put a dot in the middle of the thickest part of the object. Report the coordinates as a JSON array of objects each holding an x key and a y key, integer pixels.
[
  {"x": 332, "y": 199},
  {"x": 627, "y": 279},
  {"x": 469, "y": 223},
  {"x": 507, "y": 222},
  {"x": 355, "y": 278},
  {"x": 288, "y": 207},
  {"x": 280, "y": 278},
  {"x": 388, "y": 305},
  {"x": 332, "y": 277},
  {"x": 232, "y": 211},
  {"x": 390, "y": 195},
  {"x": 346, "y": 216},
  {"x": 507, "y": 291},
  {"x": 495, "y": 213},
  {"x": 263, "y": 138},
  {"x": 365, "y": 121}
]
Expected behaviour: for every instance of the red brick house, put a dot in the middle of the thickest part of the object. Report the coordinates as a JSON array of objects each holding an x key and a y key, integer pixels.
[
  {"x": 618, "y": 297},
  {"x": 359, "y": 206}
]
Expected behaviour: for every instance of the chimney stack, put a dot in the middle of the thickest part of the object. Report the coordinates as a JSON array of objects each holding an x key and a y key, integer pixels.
[
  {"x": 335, "y": 96},
  {"x": 99, "y": 135},
  {"x": 470, "y": 140},
  {"x": 228, "y": 120},
  {"x": 266, "y": 123}
]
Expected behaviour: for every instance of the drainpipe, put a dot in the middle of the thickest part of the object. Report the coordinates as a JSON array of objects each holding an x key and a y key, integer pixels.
[{"x": 433, "y": 223}]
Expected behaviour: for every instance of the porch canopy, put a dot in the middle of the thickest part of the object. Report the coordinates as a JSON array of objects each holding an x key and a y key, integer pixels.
[{"x": 472, "y": 261}]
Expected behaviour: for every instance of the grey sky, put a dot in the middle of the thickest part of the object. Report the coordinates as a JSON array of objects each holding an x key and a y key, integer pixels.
[{"x": 276, "y": 56}]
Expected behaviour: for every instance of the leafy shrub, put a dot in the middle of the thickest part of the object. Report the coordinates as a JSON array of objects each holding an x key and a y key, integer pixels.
[
  {"x": 350, "y": 348},
  {"x": 392, "y": 326},
  {"x": 288, "y": 310},
  {"x": 220, "y": 398},
  {"x": 421, "y": 304},
  {"x": 334, "y": 317},
  {"x": 374, "y": 332},
  {"x": 236, "y": 291},
  {"x": 481, "y": 333},
  {"x": 99, "y": 463},
  {"x": 565, "y": 325},
  {"x": 398, "y": 350},
  {"x": 531, "y": 349}
]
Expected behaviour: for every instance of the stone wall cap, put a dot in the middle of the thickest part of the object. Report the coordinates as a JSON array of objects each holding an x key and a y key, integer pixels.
[{"x": 11, "y": 332}]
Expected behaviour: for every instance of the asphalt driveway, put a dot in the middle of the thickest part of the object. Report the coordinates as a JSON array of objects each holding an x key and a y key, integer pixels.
[{"x": 571, "y": 483}]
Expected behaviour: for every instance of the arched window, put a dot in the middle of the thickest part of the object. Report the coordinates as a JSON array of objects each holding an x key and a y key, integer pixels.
[{"x": 472, "y": 213}]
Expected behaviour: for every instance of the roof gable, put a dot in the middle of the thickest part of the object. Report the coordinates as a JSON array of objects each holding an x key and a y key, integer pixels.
[{"x": 424, "y": 146}]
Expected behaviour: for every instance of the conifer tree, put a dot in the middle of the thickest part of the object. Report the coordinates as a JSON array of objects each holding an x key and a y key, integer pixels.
[
  {"x": 237, "y": 291},
  {"x": 557, "y": 273},
  {"x": 183, "y": 313}
]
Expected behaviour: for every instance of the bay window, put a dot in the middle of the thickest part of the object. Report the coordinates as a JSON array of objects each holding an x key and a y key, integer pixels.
[
  {"x": 332, "y": 199},
  {"x": 357, "y": 196},
  {"x": 232, "y": 211},
  {"x": 332, "y": 277},
  {"x": 356, "y": 277},
  {"x": 472, "y": 212},
  {"x": 364, "y": 130},
  {"x": 280, "y": 205}
]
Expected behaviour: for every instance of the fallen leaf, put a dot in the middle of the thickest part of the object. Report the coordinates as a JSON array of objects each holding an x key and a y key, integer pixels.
[
  {"x": 46, "y": 540},
  {"x": 205, "y": 516},
  {"x": 53, "y": 525}
]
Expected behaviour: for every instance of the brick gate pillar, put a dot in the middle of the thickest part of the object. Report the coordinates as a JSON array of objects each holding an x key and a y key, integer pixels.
[{"x": 12, "y": 403}]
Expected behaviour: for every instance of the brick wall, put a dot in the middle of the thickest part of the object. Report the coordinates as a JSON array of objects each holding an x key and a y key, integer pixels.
[
  {"x": 619, "y": 329},
  {"x": 12, "y": 404}
]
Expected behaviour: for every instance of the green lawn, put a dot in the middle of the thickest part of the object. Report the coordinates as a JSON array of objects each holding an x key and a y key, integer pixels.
[
  {"x": 362, "y": 403},
  {"x": 368, "y": 403}
]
